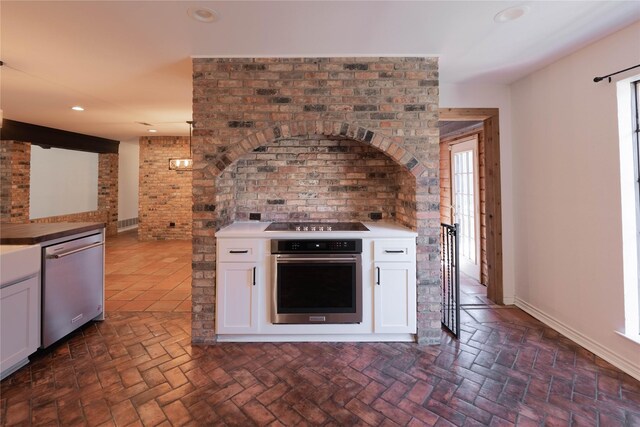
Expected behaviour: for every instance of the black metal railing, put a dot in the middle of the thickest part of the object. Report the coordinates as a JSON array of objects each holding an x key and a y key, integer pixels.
[{"x": 450, "y": 308}]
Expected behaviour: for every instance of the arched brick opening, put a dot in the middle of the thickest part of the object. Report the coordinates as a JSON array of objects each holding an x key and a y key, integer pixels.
[
  {"x": 386, "y": 144},
  {"x": 344, "y": 173}
]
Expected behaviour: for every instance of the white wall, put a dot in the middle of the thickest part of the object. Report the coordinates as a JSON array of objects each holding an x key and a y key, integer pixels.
[
  {"x": 128, "y": 162},
  {"x": 566, "y": 197},
  {"x": 493, "y": 96},
  {"x": 62, "y": 182}
]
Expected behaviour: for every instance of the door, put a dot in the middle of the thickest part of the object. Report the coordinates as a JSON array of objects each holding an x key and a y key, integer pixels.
[
  {"x": 237, "y": 310},
  {"x": 394, "y": 297},
  {"x": 465, "y": 200}
]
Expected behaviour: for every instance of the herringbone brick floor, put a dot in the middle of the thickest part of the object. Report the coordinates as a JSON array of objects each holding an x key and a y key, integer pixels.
[{"x": 141, "y": 369}]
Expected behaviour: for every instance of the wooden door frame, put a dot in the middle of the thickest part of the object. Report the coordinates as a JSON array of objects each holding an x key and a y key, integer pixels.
[{"x": 493, "y": 202}]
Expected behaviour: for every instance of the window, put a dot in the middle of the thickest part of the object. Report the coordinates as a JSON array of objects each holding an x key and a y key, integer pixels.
[
  {"x": 635, "y": 117},
  {"x": 628, "y": 91},
  {"x": 62, "y": 182}
]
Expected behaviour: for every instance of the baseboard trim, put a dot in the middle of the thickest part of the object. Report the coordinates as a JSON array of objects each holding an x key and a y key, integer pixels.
[{"x": 580, "y": 339}]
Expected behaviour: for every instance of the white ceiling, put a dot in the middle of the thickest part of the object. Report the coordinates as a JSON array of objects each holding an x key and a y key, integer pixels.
[{"x": 130, "y": 61}]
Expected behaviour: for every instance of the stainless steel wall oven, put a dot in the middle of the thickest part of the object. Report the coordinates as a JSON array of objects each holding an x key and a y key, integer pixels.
[{"x": 317, "y": 281}]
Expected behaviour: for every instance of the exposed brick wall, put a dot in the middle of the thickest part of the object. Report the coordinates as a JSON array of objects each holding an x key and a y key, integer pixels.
[
  {"x": 445, "y": 189},
  {"x": 15, "y": 168},
  {"x": 92, "y": 216},
  {"x": 108, "y": 190},
  {"x": 240, "y": 104},
  {"x": 315, "y": 178},
  {"x": 164, "y": 195},
  {"x": 15, "y": 161}
]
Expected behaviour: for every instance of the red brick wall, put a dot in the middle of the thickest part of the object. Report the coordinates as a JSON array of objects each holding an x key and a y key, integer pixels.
[
  {"x": 15, "y": 162},
  {"x": 316, "y": 178},
  {"x": 388, "y": 104},
  {"x": 164, "y": 195},
  {"x": 15, "y": 166}
]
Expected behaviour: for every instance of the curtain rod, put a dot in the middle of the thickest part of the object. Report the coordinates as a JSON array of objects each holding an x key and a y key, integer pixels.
[{"x": 608, "y": 76}]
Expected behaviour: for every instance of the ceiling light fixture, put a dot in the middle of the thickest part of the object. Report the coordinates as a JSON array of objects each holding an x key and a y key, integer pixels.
[
  {"x": 77, "y": 108},
  {"x": 203, "y": 14},
  {"x": 184, "y": 164},
  {"x": 152, "y": 130},
  {"x": 511, "y": 14}
]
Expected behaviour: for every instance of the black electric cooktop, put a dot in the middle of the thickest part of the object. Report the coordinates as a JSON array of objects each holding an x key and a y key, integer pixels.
[{"x": 316, "y": 226}]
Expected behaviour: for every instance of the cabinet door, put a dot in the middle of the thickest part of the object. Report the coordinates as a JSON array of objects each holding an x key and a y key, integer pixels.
[
  {"x": 394, "y": 297},
  {"x": 19, "y": 322},
  {"x": 237, "y": 299}
]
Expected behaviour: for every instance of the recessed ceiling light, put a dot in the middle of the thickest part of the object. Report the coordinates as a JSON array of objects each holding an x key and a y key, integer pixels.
[
  {"x": 511, "y": 14},
  {"x": 202, "y": 14},
  {"x": 153, "y": 130},
  {"x": 77, "y": 108}
]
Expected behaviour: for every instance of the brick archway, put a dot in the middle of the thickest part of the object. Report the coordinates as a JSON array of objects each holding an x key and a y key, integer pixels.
[
  {"x": 387, "y": 103},
  {"x": 386, "y": 144}
]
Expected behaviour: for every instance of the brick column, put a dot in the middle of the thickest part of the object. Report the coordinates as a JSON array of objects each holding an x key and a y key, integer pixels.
[
  {"x": 15, "y": 161},
  {"x": 242, "y": 104}
]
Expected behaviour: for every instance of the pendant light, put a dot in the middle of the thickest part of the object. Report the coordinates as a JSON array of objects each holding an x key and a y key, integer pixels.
[{"x": 183, "y": 164}]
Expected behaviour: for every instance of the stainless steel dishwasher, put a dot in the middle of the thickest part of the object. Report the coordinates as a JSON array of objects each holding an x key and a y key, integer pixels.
[{"x": 72, "y": 285}]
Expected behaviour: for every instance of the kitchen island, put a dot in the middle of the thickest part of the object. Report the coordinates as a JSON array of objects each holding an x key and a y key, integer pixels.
[
  {"x": 33, "y": 233},
  {"x": 70, "y": 279}
]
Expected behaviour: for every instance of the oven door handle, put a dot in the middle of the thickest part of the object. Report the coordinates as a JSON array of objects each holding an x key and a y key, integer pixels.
[{"x": 287, "y": 260}]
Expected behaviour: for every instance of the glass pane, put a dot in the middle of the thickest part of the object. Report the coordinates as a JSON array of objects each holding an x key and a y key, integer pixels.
[{"x": 464, "y": 202}]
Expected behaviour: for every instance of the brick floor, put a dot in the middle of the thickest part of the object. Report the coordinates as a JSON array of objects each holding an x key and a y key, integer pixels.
[{"x": 139, "y": 368}]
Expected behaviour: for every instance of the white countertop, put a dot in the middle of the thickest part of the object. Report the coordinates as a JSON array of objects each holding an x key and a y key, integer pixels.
[
  {"x": 18, "y": 262},
  {"x": 255, "y": 229}
]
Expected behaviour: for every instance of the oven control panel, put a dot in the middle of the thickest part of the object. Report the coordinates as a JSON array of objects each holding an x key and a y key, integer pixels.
[{"x": 342, "y": 246}]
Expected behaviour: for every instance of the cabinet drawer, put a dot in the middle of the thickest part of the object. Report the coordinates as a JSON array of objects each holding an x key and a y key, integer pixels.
[
  {"x": 394, "y": 250},
  {"x": 238, "y": 250}
]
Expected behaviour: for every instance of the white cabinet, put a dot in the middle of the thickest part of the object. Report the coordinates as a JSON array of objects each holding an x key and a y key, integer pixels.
[
  {"x": 237, "y": 299},
  {"x": 240, "y": 276},
  {"x": 239, "y": 250},
  {"x": 19, "y": 306},
  {"x": 394, "y": 294},
  {"x": 19, "y": 323},
  {"x": 394, "y": 297},
  {"x": 394, "y": 250},
  {"x": 245, "y": 275}
]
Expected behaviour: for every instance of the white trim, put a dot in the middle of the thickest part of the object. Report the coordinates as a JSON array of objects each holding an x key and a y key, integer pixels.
[
  {"x": 596, "y": 348},
  {"x": 629, "y": 207},
  {"x": 458, "y": 146},
  {"x": 632, "y": 338},
  {"x": 316, "y": 338},
  {"x": 508, "y": 300}
]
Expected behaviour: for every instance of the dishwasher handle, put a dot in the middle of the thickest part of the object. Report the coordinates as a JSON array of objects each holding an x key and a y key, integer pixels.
[{"x": 84, "y": 248}]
